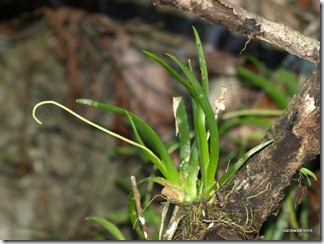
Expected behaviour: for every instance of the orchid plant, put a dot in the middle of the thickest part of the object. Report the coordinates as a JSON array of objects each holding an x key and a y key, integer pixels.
[{"x": 194, "y": 179}]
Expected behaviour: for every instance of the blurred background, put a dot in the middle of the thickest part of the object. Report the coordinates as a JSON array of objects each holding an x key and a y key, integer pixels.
[{"x": 53, "y": 176}]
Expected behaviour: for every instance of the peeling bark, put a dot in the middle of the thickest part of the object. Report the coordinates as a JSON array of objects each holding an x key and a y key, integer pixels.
[{"x": 236, "y": 19}]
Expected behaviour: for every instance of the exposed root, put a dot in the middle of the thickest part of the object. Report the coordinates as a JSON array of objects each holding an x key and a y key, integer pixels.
[{"x": 206, "y": 221}]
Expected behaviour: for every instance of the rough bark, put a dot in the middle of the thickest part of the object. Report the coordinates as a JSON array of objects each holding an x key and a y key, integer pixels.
[{"x": 236, "y": 19}]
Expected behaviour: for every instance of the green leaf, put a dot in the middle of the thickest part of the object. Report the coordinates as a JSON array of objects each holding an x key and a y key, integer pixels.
[
  {"x": 189, "y": 164},
  {"x": 260, "y": 122},
  {"x": 276, "y": 94},
  {"x": 199, "y": 119},
  {"x": 201, "y": 99},
  {"x": 288, "y": 79},
  {"x": 174, "y": 73},
  {"x": 190, "y": 182},
  {"x": 118, "y": 216},
  {"x": 306, "y": 172},
  {"x": 202, "y": 63},
  {"x": 161, "y": 167},
  {"x": 201, "y": 139},
  {"x": 170, "y": 167},
  {"x": 182, "y": 127},
  {"x": 200, "y": 135},
  {"x": 250, "y": 112},
  {"x": 172, "y": 173},
  {"x": 208, "y": 155},
  {"x": 260, "y": 65},
  {"x": 109, "y": 226},
  {"x": 232, "y": 170}
]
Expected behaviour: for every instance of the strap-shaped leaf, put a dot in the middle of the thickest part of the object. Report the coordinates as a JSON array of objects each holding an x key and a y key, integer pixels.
[
  {"x": 189, "y": 164},
  {"x": 252, "y": 112},
  {"x": 109, "y": 226},
  {"x": 174, "y": 73},
  {"x": 232, "y": 170},
  {"x": 202, "y": 63},
  {"x": 155, "y": 139},
  {"x": 277, "y": 95},
  {"x": 182, "y": 125},
  {"x": 200, "y": 139},
  {"x": 190, "y": 181},
  {"x": 201, "y": 97},
  {"x": 260, "y": 122},
  {"x": 155, "y": 160},
  {"x": 288, "y": 79}
]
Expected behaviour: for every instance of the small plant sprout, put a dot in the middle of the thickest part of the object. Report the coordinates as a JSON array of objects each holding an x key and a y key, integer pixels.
[
  {"x": 304, "y": 172},
  {"x": 194, "y": 179}
]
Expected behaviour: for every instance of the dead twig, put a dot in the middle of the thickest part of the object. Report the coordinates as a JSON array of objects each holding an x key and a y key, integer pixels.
[
  {"x": 137, "y": 199},
  {"x": 173, "y": 224}
]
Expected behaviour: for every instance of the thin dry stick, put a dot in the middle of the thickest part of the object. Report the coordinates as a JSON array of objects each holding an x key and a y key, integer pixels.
[
  {"x": 172, "y": 224},
  {"x": 164, "y": 212},
  {"x": 137, "y": 199}
]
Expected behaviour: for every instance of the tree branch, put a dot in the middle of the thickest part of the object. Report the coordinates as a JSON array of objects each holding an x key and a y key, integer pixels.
[{"x": 236, "y": 19}]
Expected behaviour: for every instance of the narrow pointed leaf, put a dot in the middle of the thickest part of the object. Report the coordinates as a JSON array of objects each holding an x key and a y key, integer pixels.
[
  {"x": 174, "y": 73},
  {"x": 201, "y": 97},
  {"x": 109, "y": 226},
  {"x": 306, "y": 172},
  {"x": 183, "y": 130},
  {"x": 159, "y": 147},
  {"x": 200, "y": 135},
  {"x": 277, "y": 95},
  {"x": 232, "y": 170},
  {"x": 202, "y": 63},
  {"x": 190, "y": 181},
  {"x": 155, "y": 160}
]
